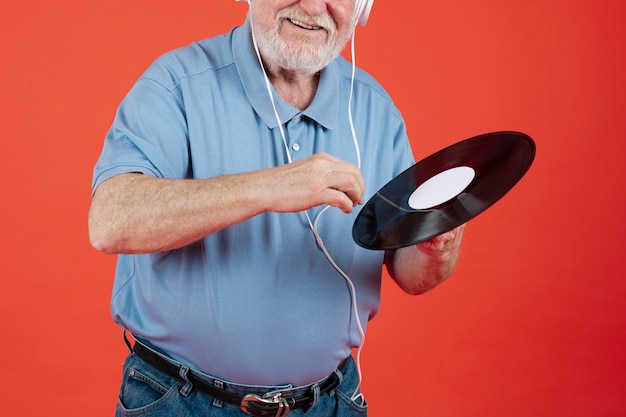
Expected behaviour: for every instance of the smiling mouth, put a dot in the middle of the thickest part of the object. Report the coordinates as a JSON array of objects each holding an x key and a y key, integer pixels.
[{"x": 303, "y": 25}]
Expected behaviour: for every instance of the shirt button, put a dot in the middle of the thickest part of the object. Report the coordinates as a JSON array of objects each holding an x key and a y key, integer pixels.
[
  {"x": 297, "y": 119},
  {"x": 295, "y": 147}
]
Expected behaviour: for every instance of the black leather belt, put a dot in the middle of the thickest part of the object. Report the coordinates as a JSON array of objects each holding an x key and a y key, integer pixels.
[{"x": 278, "y": 404}]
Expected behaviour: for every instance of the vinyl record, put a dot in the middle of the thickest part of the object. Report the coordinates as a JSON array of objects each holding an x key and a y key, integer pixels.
[{"x": 444, "y": 190}]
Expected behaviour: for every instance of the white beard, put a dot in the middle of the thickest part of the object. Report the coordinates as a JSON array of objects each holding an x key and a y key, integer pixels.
[{"x": 301, "y": 57}]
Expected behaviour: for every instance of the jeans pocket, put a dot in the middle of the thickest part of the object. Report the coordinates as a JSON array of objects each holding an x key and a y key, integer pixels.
[
  {"x": 357, "y": 406},
  {"x": 143, "y": 391}
]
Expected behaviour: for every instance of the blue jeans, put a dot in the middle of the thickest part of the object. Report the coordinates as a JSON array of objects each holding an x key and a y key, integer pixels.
[{"x": 147, "y": 392}]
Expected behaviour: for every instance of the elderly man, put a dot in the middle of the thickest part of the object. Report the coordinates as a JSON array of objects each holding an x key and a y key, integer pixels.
[{"x": 227, "y": 185}]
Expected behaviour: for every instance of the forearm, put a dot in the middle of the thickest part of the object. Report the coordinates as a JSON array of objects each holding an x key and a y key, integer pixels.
[
  {"x": 419, "y": 268},
  {"x": 135, "y": 213}
]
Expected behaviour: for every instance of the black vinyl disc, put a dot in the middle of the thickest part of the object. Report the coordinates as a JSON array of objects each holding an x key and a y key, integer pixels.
[{"x": 483, "y": 169}]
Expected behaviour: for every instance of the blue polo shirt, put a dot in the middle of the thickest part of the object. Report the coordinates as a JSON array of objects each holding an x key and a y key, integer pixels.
[{"x": 258, "y": 302}]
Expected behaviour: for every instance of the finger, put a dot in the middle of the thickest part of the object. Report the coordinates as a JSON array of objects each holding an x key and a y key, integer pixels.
[
  {"x": 345, "y": 183},
  {"x": 443, "y": 242},
  {"x": 338, "y": 199},
  {"x": 349, "y": 182}
]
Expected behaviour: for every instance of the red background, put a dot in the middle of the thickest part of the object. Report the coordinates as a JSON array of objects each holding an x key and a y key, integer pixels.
[{"x": 533, "y": 322}]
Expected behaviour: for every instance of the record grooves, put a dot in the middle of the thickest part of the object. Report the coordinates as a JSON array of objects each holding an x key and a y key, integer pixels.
[{"x": 497, "y": 161}]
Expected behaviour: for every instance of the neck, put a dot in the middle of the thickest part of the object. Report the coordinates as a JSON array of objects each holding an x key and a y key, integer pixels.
[{"x": 296, "y": 88}]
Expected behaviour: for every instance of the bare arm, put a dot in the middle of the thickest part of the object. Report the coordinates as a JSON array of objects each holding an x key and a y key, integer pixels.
[
  {"x": 135, "y": 213},
  {"x": 419, "y": 268}
]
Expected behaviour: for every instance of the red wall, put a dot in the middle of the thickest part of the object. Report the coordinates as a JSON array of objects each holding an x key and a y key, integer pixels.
[{"x": 533, "y": 322}]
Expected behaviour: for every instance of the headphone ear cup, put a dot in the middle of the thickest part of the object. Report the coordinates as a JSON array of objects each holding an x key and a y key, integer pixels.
[{"x": 362, "y": 9}]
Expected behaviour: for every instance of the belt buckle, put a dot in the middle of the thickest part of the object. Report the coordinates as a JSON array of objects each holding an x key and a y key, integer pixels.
[{"x": 283, "y": 407}]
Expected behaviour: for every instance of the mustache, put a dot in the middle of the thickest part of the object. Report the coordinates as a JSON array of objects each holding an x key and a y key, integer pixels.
[{"x": 324, "y": 20}]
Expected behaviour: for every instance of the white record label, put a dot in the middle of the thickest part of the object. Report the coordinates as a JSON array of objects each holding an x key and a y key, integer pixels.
[{"x": 441, "y": 188}]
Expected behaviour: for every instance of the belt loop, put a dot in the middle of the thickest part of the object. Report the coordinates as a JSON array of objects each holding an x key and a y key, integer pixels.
[
  {"x": 126, "y": 340},
  {"x": 315, "y": 390},
  {"x": 339, "y": 376},
  {"x": 220, "y": 385},
  {"x": 186, "y": 389}
]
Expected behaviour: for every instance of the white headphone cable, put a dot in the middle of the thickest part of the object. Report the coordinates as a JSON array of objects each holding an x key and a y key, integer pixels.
[{"x": 313, "y": 225}]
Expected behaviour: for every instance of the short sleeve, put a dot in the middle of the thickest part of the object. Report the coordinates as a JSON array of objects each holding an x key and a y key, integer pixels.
[{"x": 149, "y": 135}]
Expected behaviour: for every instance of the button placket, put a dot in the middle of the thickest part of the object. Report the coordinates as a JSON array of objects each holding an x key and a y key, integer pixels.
[{"x": 297, "y": 131}]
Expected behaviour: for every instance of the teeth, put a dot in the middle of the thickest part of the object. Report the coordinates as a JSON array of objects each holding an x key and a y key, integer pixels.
[{"x": 303, "y": 25}]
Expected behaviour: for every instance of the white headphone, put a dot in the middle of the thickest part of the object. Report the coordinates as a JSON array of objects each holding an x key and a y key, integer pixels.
[{"x": 362, "y": 9}]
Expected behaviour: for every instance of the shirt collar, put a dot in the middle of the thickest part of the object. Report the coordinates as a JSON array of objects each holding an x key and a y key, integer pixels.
[{"x": 324, "y": 107}]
